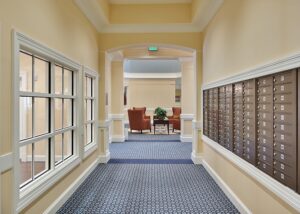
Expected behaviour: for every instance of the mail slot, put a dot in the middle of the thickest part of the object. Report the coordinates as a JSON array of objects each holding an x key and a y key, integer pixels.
[
  {"x": 284, "y": 98},
  {"x": 265, "y": 150},
  {"x": 265, "y": 107},
  {"x": 249, "y": 99},
  {"x": 285, "y": 179},
  {"x": 249, "y": 84},
  {"x": 265, "y": 140},
  {"x": 285, "y": 148},
  {"x": 265, "y": 116},
  {"x": 268, "y": 98},
  {"x": 265, "y": 167},
  {"x": 284, "y": 168},
  {"x": 284, "y": 138},
  {"x": 250, "y": 158},
  {"x": 284, "y": 129},
  {"x": 284, "y": 88},
  {"x": 285, "y": 77},
  {"x": 265, "y": 81},
  {"x": 265, "y": 158},
  {"x": 264, "y": 125},
  {"x": 285, "y": 158},
  {"x": 284, "y": 118},
  {"x": 261, "y": 91},
  {"x": 283, "y": 108}
]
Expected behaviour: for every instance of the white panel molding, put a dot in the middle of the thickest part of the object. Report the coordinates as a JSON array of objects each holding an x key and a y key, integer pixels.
[
  {"x": 6, "y": 162},
  {"x": 187, "y": 117},
  {"x": 53, "y": 208},
  {"x": 117, "y": 117},
  {"x": 118, "y": 138},
  {"x": 104, "y": 123},
  {"x": 281, "y": 191},
  {"x": 278, "y": 65},
  {"x": 197, "y": 125},
  {"x": 152, "y": 75},
  {"x": 186, "y": 138},
  {"x": 104, "y": 158},
  {"x": 196, "y": 158},
  {"x": 226, "y": 189}
]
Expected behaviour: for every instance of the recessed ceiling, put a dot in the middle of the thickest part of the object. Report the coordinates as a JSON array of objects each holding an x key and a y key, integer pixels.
[{"x": 148, "y": 1}]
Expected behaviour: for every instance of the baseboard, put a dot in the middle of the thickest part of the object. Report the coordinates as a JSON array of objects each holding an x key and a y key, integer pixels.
[
  {"x": 226, "y": 189},
  {"x": 53, "y": 208},
  {"x": 197, "y": 159},
  {"x": 186, "y": 139},
  {"x": 104, "y": 158},
  {"x": 118, "y": 138},
  {"x": 6, "y": 162}
]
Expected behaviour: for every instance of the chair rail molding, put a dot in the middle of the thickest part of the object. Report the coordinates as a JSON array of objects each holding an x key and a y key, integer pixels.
[{"x": 6, "y": 162}]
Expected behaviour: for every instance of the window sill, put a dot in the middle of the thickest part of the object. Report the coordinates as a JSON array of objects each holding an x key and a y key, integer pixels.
[
  {"x": 89, "y": 149},
  {"x": 31, "y": 192},
  {"x": 283, "y": 192}
]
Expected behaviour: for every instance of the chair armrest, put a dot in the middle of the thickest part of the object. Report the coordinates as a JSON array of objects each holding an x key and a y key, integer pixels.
[{"x": 147, "y": 117}]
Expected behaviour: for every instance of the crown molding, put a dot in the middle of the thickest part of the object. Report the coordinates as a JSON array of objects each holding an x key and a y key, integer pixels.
[
  {"x": 150, "y": 2},
  {"x": 93, "y": 11}
]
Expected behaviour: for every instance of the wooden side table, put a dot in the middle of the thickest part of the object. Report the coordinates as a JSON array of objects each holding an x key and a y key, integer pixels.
[{"x": 161, "y": 122}]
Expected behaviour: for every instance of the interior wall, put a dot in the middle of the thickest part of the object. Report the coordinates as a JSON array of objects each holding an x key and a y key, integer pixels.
[
  {"x": 245, "y": 34},
  {"x": 151, "y": 93},
  {"x": 61, "y": 26}
]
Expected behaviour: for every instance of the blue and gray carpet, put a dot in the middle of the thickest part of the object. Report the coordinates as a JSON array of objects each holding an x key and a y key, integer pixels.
[{"x": 149, "y": 175}]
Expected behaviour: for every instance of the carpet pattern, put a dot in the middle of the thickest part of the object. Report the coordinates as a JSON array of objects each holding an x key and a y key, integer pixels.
[
  {"x": 139, "y": 188},
  {"x": 146, "y": 137},
  {"x": 149, "y": 174}
]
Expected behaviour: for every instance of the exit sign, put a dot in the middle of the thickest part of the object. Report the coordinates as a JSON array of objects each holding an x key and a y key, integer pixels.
[{"x": 152, "y": 48}]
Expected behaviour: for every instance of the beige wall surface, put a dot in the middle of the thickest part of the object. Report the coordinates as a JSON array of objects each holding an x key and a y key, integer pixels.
[
  {"x": 59, "y": 25},
  {"x": 151, "y": 93},
  {"x": 243, "y": 35}
]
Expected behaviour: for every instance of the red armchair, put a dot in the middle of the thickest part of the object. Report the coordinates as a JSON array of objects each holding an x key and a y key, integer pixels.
[
  {"x": 137, "y": 120},
  {"x": 175, "y": 118},
  {"x": 144, "y": 109}
]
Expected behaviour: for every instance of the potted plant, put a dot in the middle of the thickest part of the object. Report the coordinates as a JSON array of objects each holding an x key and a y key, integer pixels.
[{"x": 160, "y": 113}]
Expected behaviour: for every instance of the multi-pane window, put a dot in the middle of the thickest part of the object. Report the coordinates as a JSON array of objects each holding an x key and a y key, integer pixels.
[
  {"x": 46, "y": 115},
  {"x": 89, "y": 109}
]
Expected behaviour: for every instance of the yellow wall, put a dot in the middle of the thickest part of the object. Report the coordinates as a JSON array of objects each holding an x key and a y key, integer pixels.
[
  {"x": 61, "y": 26},
  {"x": 243, "y": 35},
  {"x": 151, "y": 93},
  {"x": 150, "y": 13}
]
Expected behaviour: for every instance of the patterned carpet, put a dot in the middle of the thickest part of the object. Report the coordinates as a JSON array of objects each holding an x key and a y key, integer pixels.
[{"x": 160, "y": 180}]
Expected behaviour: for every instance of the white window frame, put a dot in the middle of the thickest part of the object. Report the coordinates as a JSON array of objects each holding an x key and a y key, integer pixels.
[
  {"x": 23, "y": 197},
  {"x": 91, "y": 147}
]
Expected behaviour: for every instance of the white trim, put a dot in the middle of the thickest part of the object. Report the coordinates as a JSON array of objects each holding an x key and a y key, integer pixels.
[
  {"x": 53, "y": 208},
  {"x": 104, "y": 158},
  {"x": 117, "y": 117},
  {"x": 274, "y": 66},
  {"x": 93, "y": 12},
  {"x": 104, "y": 123},
  {"x": 149, "y": 2},
  {"x": 150, "y": 28},
  {"x": 32, "y": 192},
  {"x": 187, "y": 117},
  {"x": 186, "y": 139},
  {"x": 152, "y": 75},
  {"x": 6, "y": 162},
  {"x": 280, "y": 190},
  {"x": 90, "y": 148},
  {"x": 197, "y": 125},
  {"x": 118, "y": 138},
  {"x": 226, "y": 189},
  {"x": 196, "y": 158}
]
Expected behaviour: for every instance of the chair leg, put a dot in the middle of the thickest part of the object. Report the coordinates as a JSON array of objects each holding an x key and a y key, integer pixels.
[{"x": 141, "y": 131}]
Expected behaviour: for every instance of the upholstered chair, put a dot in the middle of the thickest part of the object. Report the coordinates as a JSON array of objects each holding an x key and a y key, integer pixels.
[
  {"x": 144, "y": 109},
  {"x": 175, "y": 118},
  {"x": 137, "y": 120}
]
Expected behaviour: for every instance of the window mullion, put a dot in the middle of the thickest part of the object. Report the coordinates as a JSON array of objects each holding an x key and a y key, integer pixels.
[{"x": 52, "y": 116}]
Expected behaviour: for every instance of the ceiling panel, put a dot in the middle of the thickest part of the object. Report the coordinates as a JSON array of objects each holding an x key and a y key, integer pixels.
[{"x": 148, "y": 1}]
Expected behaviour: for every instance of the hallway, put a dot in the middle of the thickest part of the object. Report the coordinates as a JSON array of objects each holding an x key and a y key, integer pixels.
[{"x": 149, "y": 174}]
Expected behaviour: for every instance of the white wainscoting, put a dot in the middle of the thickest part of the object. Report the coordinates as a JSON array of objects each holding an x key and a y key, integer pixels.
[{"x": 183, "y": 136}]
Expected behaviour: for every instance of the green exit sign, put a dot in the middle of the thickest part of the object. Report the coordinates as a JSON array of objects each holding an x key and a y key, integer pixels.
[{"x": 152, "y": 48}]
